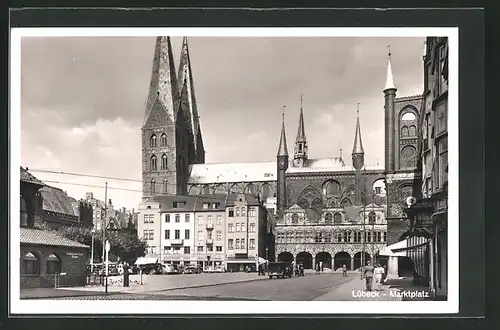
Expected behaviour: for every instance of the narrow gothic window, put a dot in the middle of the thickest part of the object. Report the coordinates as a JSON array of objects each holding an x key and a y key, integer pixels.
[
  {"x": 164, "y": 162},
  {"x": 165, "y": 184},
  {"x": 152, "y": 141},
  {"x": 164, "y": 140},
  {"x": 153, "y": 183},
  {"x": 295, "y": 218},
  {"x": 153, "y": 163},
  {"x": 404, "y": 131},
  {"x": 328, "y": 217},
  {"x": 412, "y": 131}
]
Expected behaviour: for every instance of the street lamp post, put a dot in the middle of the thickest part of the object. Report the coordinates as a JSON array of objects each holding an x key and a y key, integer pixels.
[{"x": 92, "y": 253}]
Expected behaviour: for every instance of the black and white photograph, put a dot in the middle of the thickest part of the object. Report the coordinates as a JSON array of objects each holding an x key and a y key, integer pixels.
[{"x": 250, "y": 170}]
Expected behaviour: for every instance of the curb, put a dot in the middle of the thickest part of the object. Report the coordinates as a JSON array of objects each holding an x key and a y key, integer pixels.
[
  {"x": 73, "y": 295},
  {"x": 98, "y": 293}
]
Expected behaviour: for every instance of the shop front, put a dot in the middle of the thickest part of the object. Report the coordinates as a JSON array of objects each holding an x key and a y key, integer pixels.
[
  {"x": 428, "y": 218},
  {"x": 241, "y": 265}
]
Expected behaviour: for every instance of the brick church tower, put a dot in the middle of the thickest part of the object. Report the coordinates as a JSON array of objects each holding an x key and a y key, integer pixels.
[
  {"x": 170, "y": 125},
  {"x": 401, "y": 127}
]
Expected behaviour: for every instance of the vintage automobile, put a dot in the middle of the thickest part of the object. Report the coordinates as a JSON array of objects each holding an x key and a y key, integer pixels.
[
  {"x": 279, "y": 269},
  {"x": 191, "y": 270}
]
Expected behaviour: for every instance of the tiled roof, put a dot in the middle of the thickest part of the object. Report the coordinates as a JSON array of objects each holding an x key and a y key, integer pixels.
[
  {"x": 29, "y": 178},
  {"x": 232, "y": 172},
  {"x": 187, "y": 203},
  {"x": 45, "y": 237},
  {"x": 56, "y": 200}
]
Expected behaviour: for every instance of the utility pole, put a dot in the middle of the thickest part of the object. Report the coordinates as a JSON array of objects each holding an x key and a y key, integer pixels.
[{"x": 104, "y": 232}]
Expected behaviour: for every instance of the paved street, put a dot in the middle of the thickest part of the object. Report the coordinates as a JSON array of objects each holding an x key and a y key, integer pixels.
[{"x": 237, "y": 286}]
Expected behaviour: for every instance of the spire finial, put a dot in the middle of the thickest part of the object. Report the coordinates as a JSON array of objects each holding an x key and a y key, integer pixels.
[
  {"x": 389, "y": 80},
  {"x": 340, "y": 149},
  {"x": 283, "y": 114},
  {"x": 357, "y": 109},
  {"x": 301, "y": 100}
]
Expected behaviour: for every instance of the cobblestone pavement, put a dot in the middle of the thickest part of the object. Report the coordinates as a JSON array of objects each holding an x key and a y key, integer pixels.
[
  {"x": 144, "y": 296},
  {"x": 170, "y": 282},
  {"x": 303, "y": 288}
]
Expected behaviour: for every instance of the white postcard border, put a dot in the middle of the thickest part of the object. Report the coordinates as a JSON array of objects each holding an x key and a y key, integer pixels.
[{"x": 76, "y": 307}]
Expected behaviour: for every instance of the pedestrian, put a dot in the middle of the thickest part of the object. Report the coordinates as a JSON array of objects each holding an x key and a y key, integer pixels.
[
  {"x": 368, "y": 273},
  {"x": 344, "y": 270},
  {"x": 384, "y": 276},
  {"x": 321, "y": 266},
  {"x": 378, "y": 273},
  {"x": 126, "y": 281}
]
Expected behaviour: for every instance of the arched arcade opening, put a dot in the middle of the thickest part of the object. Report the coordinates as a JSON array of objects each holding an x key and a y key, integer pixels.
[
  {"x": 358, "y": 261},
  {"x": 324, "y": 259},
  {"x": 341, "y": 259},
  {"x": 286, "y": 257},
  {"x": 306, "y": 259}
]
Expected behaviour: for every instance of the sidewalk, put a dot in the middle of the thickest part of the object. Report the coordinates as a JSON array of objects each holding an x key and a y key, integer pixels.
[
  {"x": 47, "y": 293},
  {"x": 151, "y": 283},
  {"x": 354, "y": 290}
]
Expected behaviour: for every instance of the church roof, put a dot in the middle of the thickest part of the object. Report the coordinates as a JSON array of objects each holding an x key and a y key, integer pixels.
[
  {"x": 232, "y": 172},
  {"x": 56, "y": 200},
  {"x": 262, "y": 171}
]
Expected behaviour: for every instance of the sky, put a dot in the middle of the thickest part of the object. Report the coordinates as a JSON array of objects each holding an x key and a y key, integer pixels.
[{"x": 83, "y": 101}]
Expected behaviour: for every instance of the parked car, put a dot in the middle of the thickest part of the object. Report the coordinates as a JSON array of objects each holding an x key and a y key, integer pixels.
[
  {"x": 169, "y": 269},
  {"x": 151, "y": 269},
  {"x": 217, "y": 269},
  {"x": 191, "y": 270},
  {"x": 279, "y": 270}
]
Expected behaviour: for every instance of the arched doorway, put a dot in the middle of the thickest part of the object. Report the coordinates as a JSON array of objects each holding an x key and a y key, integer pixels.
[
  {"x": 357, "y": 259},
  {"x": 306, "y": 259},
  {"x": 286, "y": 257},
  {"x": 341, "y": 259},
  {"x": 325, "y": 258}
]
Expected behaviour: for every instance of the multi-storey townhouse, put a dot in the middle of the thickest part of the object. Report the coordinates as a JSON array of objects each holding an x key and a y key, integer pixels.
[
  {"x": 246, "y": 231},
  {"x": 209, "y": 231}
]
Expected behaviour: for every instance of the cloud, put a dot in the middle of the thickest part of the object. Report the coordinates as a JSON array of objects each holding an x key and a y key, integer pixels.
[{"x": 105, "y": 148}]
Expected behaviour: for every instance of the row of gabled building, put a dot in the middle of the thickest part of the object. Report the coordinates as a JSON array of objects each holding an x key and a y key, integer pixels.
[{"x": 227, "y": 231}]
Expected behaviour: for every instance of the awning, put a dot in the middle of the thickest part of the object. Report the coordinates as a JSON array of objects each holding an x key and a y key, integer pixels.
[
  {"x": 262, "y": 260},
  {"x": 409, "y": 248},
  {"x": 241, "y": 261},
  {"x": 393, "y": 250},
  {"x": 145, "y": 261}
]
